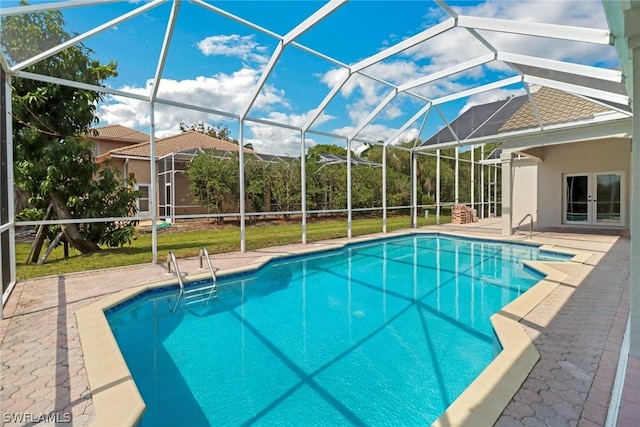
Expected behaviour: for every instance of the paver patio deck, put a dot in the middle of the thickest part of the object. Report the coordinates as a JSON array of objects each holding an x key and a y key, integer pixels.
[{"x": 577, "y": 329}]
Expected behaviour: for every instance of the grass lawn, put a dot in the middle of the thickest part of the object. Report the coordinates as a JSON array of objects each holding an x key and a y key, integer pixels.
[{"x": 188, "y": 243}]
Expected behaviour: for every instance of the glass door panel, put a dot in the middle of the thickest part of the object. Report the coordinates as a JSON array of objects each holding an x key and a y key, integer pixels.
[
  {"x": 577, "y": 199},
  {"x": 608, "y": 199}
]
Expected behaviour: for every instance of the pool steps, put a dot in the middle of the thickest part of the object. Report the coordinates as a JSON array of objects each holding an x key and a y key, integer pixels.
[{"x": 200, "y": 294}]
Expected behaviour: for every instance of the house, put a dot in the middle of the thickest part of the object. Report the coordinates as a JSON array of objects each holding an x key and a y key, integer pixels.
[
  {"x": 577, "y": 173},
  {"x": 565, "y": 159},
  {"x": 107, "y": 138},
  {"x": 172, "y": 155}
]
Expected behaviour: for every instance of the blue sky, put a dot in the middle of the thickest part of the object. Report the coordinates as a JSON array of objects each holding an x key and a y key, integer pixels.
[{"x": 215, "y": 62}]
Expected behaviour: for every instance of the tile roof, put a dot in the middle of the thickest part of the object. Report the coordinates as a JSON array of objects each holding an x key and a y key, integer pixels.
[
  {"x": 174, "y": 144},
  {"x": 479, "y": 120},
  {"x": 554, "y": 107},
  {"x": 120, "y": 132}
]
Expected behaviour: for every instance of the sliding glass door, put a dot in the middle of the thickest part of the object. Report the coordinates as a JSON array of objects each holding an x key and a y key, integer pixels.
[{"x": 593, "y": 199}]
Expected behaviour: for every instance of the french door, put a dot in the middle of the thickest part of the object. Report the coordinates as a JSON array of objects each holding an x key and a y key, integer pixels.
[{"x": 593, "y": 199}]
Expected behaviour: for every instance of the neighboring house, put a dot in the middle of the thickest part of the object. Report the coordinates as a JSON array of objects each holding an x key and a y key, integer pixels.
[
  {"x": 567, "y": 162},
  {"x": 172, "y": 155},
  {"x": 107, "y": 138}
]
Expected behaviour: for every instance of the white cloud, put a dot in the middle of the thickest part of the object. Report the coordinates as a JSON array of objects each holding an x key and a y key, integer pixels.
[
  {"x": 446, "y": 50},
  {"x": 490, "y": 96},
  {"x": 278, "y": 140},
  {"x": 458, "y": 45},
  {"x": 378, "y": 132},
  {"x": 443, "y": 87},
  {"x": 396, "y": 71},
  {"x": 363, "y": 94},
  {"x": 236, "y": 46},
  {"x": 232, "y": 92},
  {"x": 223, "y": 92},
  {"x": 355, "y": 83},
  {"x": 584, "y": 13},
  {"x": 274, "y": 140},
  {"x": 392, "y": 112}
]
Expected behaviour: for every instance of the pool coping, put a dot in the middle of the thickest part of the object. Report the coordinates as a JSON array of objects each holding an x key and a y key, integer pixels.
[{"x": 117, "y": 400}]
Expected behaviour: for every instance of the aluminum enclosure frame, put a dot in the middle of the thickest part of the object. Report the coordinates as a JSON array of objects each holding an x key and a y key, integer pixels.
[{"x": 561, "y": 75}]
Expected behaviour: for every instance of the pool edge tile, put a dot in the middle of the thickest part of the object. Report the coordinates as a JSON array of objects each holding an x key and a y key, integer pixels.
[
  {"x": 117, "y": 400},
  {"x": 115, "y": 396},
  {"x": 484, "y": 400}
]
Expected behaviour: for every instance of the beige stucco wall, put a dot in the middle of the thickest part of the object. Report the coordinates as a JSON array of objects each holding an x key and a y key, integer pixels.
[
  {"x": 184, "y": 197},
  {"x": 140, "y": 170},
  {"x": 542, "y": 190},
  {"x": 525, "y": 185},
  {"x": 105, "y": 145}
]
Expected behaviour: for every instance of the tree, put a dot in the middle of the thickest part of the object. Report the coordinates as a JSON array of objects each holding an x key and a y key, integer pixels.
[
  {"x": 400, "y": 161},
  {"x": 256, "y": 183},
  {"x": 328, "y": 184},
  {"x": 398, "y": 189},
  {"x": 285, "y": 185},
  {"x": 398, "y": 172},
  {"x": 366, "y": 186},
  {"x": 54, "y": 161},
  {"x": 327, "y": 149},
  {"x": 214, "y": 179}
]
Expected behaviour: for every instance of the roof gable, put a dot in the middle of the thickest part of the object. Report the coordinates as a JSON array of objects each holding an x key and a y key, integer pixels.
[
  {"x": 174, "y": 144},
  {"x": 554, "y": 107},
  {"x": 479, "y": 120},
  {"x": 119, "y": 132}
]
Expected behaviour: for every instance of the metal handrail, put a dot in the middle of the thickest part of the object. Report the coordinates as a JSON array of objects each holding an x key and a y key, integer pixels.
[
  {"x": 205, "y": 254},
  {"x": 171, "y": 259},
  {"x": 530, "y": 225}
]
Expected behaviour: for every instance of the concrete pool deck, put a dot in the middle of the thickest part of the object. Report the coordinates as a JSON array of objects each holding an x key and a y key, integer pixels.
[{"x": 577, "y": 329}]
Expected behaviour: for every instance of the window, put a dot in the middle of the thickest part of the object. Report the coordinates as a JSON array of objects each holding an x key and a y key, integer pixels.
[{"x": 143, "y": 201}]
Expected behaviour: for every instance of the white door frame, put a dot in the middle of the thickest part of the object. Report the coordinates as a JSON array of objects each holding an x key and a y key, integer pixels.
[
  {"x": 148, "y": 198},
  {"x": 592, "y": 190},
  {"x": 168, "y": 202}
]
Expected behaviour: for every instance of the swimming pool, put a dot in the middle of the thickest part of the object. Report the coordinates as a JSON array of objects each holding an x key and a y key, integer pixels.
[{"x": 373, "y": 334}]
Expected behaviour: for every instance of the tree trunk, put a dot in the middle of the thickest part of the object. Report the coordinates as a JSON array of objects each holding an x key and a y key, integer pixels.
[
  {"x": 55, "y": 242},
  {"x": 71, "y": 232},
  {"x": 36, "y": 246}
]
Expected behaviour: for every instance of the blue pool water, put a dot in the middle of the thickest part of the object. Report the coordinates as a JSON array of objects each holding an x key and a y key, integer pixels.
[{"x": 384, "y": 333}]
